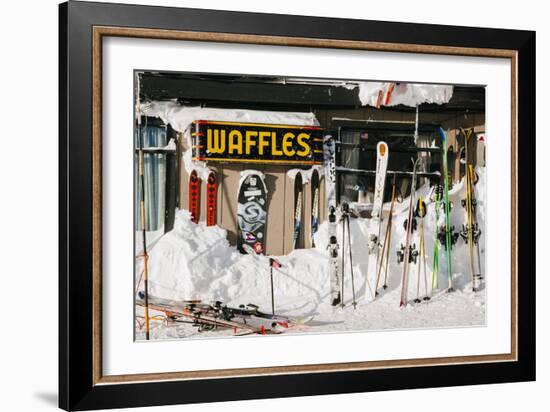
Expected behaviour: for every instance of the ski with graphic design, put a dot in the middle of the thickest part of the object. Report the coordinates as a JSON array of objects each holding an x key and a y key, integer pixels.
[
  {"x": 314, "y": 205},
  {"x": 332, "y": 247},
  {"x": 252, "y": 211},
  {"x": 447, "y": 230},
  {"x": 376, "y": 219},
  {"x": 470, "y": 229},
  {"x": 211, "y": 199},
  {"x": 407, "y": 254},
  {"x": 194, "y": 196},
  {"x": 298, "y": 202}
]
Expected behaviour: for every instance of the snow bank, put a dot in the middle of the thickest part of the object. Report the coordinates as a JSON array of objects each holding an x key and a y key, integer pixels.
[{"x": 195, "y": 261}]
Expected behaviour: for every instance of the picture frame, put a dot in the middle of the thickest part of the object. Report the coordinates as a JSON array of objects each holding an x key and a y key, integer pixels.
[{"x": 82, "y": 28}]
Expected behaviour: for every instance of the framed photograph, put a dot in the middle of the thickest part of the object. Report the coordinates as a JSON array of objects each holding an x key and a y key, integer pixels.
[{"x": 256, "y": 205}]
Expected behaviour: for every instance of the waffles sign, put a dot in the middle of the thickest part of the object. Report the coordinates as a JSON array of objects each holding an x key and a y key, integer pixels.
[{"x": 257, "y": 143}]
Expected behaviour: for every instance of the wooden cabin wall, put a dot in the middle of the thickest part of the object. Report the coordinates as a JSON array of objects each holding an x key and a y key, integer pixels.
[
  {"x": 280, "y": 203},
  {"x": 280, "y": 221}
]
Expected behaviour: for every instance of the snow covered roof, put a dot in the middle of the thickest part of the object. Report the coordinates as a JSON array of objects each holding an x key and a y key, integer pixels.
[
  {"x": 180, "y": 117},
  {"x": 378, "y": 94}
]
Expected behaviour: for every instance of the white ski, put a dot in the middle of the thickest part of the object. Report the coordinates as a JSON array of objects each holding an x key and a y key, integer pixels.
[
  {"x": 408, "y": 254},
  {"x": 332, "y": 247},
  {"x": 376, "y": 219}
]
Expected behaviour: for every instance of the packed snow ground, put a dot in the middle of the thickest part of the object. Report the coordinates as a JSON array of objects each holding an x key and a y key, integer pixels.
[{"x": 194, "y": 261}]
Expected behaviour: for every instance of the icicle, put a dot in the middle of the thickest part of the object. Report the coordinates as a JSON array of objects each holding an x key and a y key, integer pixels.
[{"x": 416, "y": 127}]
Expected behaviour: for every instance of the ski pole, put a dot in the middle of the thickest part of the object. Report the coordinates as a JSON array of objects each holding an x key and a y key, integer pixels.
[
  {"x": 272, "y": 293},
  {"x": 423, "y": 212},
  {"x": 423, "y": 252},
  {"x": 351, "y": 261},
  {"x": 383, "y": 253},
  {"x": 342, "y": 304},
  {"x": 145, "y": 256}
]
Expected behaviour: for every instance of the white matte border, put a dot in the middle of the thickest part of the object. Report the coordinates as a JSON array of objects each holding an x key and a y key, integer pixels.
[{"x": 121, "y": 355}]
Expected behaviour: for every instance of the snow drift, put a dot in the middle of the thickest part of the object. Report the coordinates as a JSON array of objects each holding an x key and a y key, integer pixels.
[{"x": 194, "y": 261}]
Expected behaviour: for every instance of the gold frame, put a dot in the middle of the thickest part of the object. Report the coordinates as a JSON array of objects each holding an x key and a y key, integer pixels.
[{"x": 102, "y": 31}]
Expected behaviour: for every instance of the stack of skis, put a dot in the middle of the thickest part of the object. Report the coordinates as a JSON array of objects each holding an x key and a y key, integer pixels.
[
  {"x": 242, "y": 320},
  {"x": 411, "y": 253}
]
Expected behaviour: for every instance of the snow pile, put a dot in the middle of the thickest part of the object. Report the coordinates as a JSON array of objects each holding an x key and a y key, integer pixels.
[
  {"x": 306, "y": 173},
  {"x": 195, "y": 261},
  {"x": 408, "y": 94}
]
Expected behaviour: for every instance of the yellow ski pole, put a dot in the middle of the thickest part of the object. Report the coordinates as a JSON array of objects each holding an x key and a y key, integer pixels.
[{"x": 145, "y": 256}]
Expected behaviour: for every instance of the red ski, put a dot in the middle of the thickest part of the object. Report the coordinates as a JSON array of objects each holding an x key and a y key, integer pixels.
[
  {"x": 211, "y": 199},
  {"x": 194, "y": 196}
]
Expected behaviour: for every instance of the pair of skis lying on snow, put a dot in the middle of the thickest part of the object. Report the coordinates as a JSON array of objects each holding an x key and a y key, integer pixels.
[{"x": 242, "y": 320}]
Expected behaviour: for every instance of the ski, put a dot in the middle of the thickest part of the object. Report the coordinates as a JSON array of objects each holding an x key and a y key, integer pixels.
[
  {"x": 470, "y": 230},
  {"x": 314, "y": 205},
  {"x": 376, "y": 218},
  {"x": 406, "y": 254},
  {"x": 211, "y": 199},
  {"x": 298, "y": 201},
  {"x": 252, "y": 211},
  {"x": 194, "y": 196},
  {"x": 447, "y": 229},
  {"x": 332, "y": 247},
  {"x": 252, "y": 310},
  {"x": 436, "y": 199}
]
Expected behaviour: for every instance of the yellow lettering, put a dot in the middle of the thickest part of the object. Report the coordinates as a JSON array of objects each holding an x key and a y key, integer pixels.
[
  {"x": 214, "y": 142},
  {"x": 274, "y": 150},
  {"x": 287, "y": 144},
  {"x": 263, "y": 141},
  {"x": 302, "y": 141},
  {"x": 250, "y": 134},
  {"x": 235, "y": 142}
]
